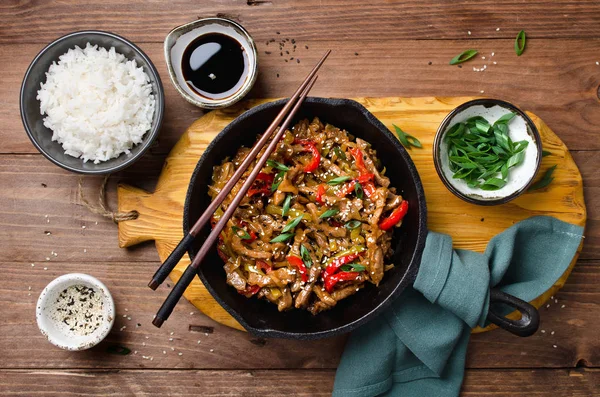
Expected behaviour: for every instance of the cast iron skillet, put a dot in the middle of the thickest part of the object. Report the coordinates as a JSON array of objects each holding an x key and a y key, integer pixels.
[{"x": 260, "y": 317}]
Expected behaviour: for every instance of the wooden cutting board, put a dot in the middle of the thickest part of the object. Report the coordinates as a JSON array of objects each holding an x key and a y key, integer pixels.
[{"x": 471, "y": 226}]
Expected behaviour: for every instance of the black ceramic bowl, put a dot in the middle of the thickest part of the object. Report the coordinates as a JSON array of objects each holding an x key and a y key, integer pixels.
[
  {"x": 446, "y": 124},
  {"x": 262, "y": 318},
  {"x": 41, "y": 136}
]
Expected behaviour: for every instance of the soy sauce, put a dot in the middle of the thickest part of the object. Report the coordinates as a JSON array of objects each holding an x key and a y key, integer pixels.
[{"x": 214, "y": 65}]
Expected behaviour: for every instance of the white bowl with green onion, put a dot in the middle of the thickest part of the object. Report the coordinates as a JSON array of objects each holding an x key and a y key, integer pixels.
[{"x": 487, "y": 151}]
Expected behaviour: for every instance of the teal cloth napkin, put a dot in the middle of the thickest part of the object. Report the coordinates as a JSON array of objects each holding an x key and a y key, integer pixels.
[{"x": 417, "y": 348}]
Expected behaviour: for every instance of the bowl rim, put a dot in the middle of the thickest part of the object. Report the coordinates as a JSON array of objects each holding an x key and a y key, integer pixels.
[
  {"x": 196, "y": 101},
  {"x": 438, "y": 140},
  {"x": 72, "y": 279},
  {"x": 411, "y": 270},
  {"x": 151, "y": 134}
]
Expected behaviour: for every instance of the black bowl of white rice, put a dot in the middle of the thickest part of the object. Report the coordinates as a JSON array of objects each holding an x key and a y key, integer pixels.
[{"x": 92, "y": 102}]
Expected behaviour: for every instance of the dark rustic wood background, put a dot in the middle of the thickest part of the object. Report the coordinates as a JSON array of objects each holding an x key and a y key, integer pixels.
[{"x": 380, "y": 48}]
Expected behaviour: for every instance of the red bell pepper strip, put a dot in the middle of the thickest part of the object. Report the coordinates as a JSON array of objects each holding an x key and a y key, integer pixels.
[
  {"x": 346, "y": 189},
  {"x": 262, "y": 188},
  {"x": 311, "y": 147},
  {"x": 250, "y": 290},
  {"x": 365, "y": 178},
  {"x": 358, "y": 158},
  {"x": 336, "y": 263},
  {"x": 297, "y": 262},
  {"x": 395, "y": 217},
  {"x": 320, "y": 193},
  {"x": 332, "y": 279},
  {"x": 264, "y": 266},
  {"x": 369, "y": 189}
]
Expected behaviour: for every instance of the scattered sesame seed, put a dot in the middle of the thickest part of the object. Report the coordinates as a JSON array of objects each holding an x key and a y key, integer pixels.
[
  {"x": 147, "y": 337},
  {"x": 48, "y": 233},
  {"x": 543, "y": 331},
  {"x": 481, "y": 91},
  {"x": 47, "y": 258},
  {"x": 469, "y": 32},
  {"x": 495, "y": 62},
  {"x": 29, "y": 288},
  {"x": 547, "y": 306},
  {"x": 32, "y": 265},
  {"x": 562, "y": 307},
  {"x": 126, "y": 309},
  {"x": 482, "y": 57},
  {"x": 124, "y": 315},
  {"x": 497, "y": 29},
  {"x": 96, "y": 222},
  {"x": 597, "y": 63},
  {"x": 180, "y": 354},
  {"x": 554, "y": 346},
  {"x": 129, "y": 318},
  {"x": 135, "y": 352},
  {"x": 206, "y": 334},
  {"x": 170, "y": 339},
  {"x": 555, "y": 300},
  {"x": 164, "y": 352},
  {"x": 143, "y": 343},
  {"x": 191, "y": 313},
  {"x": 493, "y": 53},
  {"x": 45, "y": 268},
  {"x": 198, "y": 341},
  {"x": 83, "y": 227},
  {"x": 85, "y": 250},
  {"x": 212, "y": 350},
  {"x": 173, "y": 348},
  {"x": 172, "y": 333},
  {"x": 552, "y": 333}
]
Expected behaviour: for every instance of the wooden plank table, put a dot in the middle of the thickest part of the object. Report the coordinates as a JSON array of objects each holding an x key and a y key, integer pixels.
[{"x": 380, "y": 48}]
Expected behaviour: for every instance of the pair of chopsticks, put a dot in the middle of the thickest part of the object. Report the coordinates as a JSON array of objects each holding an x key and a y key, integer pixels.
[{"x": 289, "y": 110}]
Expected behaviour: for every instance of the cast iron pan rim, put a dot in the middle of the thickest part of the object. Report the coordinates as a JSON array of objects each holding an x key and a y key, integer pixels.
[
  {"x": 486, "y": 102},
  {"x": 150, "y": 135},
  {"x": 411, "y": 270}
]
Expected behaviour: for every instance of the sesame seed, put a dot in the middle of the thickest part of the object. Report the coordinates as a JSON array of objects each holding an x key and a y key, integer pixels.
[
  {"x": 495, "y": 63},
  {"x": 173, "y": 349},
  {"x": 198, "y": 342},
  {"x": 47, "y": 258},
  {"x": 481, "y": 91},
  {"x": 129, "y": 318},
  {"x": 29, "y": 288},
  {"x": 164, "y": 352},
  {"x": 497, "y": 29},
  {"x": 124, "y": 315},
  {"x": 547, "y": 306},
  {"x": 85, "y": 250},
  {"x": 469, "y": 32},
  {"x": 212, "y": 350},
  {"x": 32, "y": 265},
  {"x": 482, "y": 57},
  {"x": 83, "y": 227},
  {"x": 172, "y": 333},
  {"x": 555, "y": 300},
  {"x": 543, "y": 331},
  {"x": 126, "y": 309},
  {"x": 135, "y": 352},
  {"x": 147, "y": 337},
  {"x": 597, "y": 63},
  {"x": 180, "y": 354},
  {"x": 170, "y": 339},
  {"x": 143, "y": 343},
  {"x": 554, "y": 346},
  {"x": 562, "y": 307},
  {"x": 45, "y": 268},
  {"x": 493, "y": 53},
  {"x": 552, "y": 333}
]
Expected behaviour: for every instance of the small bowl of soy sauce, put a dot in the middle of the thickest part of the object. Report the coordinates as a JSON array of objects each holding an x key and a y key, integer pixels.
[{"x": 212, "y": 62}]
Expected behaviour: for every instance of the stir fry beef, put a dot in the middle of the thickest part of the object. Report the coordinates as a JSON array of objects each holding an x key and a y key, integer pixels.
[{"x": 316, "y": 224}]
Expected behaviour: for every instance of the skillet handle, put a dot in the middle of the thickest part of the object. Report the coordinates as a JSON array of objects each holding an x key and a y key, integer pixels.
[{"x": 527, "y": 325}]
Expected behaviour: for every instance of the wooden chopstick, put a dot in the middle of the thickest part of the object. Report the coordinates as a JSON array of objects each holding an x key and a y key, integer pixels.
[
  {"x": 165, "y": 269},
  {"x": 186, "y": 278}
]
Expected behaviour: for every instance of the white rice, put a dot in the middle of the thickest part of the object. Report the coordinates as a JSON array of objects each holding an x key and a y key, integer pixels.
[{"x": 98, "y": 103}]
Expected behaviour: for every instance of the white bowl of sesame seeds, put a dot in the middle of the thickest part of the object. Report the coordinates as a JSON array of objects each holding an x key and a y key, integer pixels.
[{"x": 75, "y": 311}]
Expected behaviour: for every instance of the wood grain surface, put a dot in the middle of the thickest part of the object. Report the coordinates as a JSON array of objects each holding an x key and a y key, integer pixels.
[
  {"x": 556, "y": 78},
  {"x": 160, "y": 212}
]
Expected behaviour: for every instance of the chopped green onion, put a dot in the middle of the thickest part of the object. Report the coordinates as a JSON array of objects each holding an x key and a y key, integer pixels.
[
  {"x": 305, "y": 256},
  {"x": 358, "y": 189},
  {"x": 353, "y": 268},
  {"x": 277, "y": 180},
  {"x": 352, "y": 225},
  {"x": 463, "y": 57},
  {"x": 339, "y": 153},
  {"x": 292, "y": 225},
  {"x": 277, "y": 165},
  {"x": 545, "y": 153},
  {"x": 329, "y": 213},
  {"x": 243, "y": 235},
  {"x": 545, "y": 181},
  {"x": 339, "y": 180},
  {"x": 286, "y": 204},
  {"x": 520, "y": 43},
  {"x": 407, "y": 140},
  {"x": 282, "y": 238}
]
